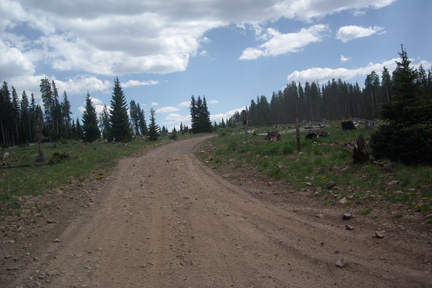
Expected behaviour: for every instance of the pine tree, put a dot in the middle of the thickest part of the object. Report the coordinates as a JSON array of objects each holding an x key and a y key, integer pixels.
[
  {"x": 194, "y": 115},
  {"x": 200, "y": 116},
  {"x": 90, "y": 127},
  {"x": 15, "y": 115},
  {"x": 56, "y": 111},
  {"x": 205, "y": 118},
  {"x": 407, "y": 131},
  {"x": 5, "y": 104},
  {"x": 25, "y": 119},
  {"x": 65, "y": 108},
  {"x": 48, "y": 103},
  {"x": 119, "y": 119},
  {"x": 134, "y": 115},
  {"x": 104, "y": 123},
  {"x": 142, "y": 121},
  {"x": 386, "y": 85},
  {"x": 153, "y": 128}
]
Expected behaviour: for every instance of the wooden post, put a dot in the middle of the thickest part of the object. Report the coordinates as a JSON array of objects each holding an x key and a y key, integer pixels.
[
  {"x": 245, "y": 124},
  {"x": 298, "y": 134}
]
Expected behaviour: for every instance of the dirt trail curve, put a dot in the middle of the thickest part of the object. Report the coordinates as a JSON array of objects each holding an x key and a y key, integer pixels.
[{"x": 165, "y": 220}]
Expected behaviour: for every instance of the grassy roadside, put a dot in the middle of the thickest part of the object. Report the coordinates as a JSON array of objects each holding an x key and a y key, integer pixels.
[
  {"x": 323, "y": 160},
  {"x": 84, "y": 160}
]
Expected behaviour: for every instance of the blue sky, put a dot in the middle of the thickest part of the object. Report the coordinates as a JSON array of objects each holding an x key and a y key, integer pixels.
[{"x": 164, "y": 51}]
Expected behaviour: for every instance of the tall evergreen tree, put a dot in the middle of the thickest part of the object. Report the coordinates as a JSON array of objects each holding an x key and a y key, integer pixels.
[
  {"x": 5, "y": 113},
  {"x": 90, "y": 127},
  {"x": 194, "y": 115},
  {"x": 25, "y": 119},
  {"x": 407, "y": 131},
  {"x": 386, "y": 85},
  {"x": 66, "y": 116},
  {"x": 104, "y": 123},
  {"x": 119, "y": 119},
  {"x": 153, "y": 128},
  {"x": 141, "y": 121},
  {"x": 56, "y": 111},
  {"x": 205, "y": 117},
  {"x": 15, "y": 116},
  {"x": 48, "y": 103},
  {"x": 134, "y": 115}
]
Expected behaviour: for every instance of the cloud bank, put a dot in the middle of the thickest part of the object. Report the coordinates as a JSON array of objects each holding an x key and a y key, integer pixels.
[
  {"x": 113, "y": 38},
  {"x": 325, "y": 74}
]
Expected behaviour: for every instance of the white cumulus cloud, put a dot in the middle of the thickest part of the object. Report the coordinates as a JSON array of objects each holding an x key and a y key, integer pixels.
[
  {"x": 325, "y": 74},
  {"x": 184, "y": 104},
  {"x": 114, "y": 38},
  {"x": 166, "y": 110},
  {"x": 344, "y": 59},
  {"x": 348, "y": 33},
  {"x": 134, "y": 83},
  {"x": 285, "y": 43}
]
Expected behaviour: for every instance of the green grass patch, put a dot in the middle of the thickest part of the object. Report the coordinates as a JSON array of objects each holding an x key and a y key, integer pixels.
[
  {"x": 327, "y": 159},
  {"x": 83, "y": 159}
]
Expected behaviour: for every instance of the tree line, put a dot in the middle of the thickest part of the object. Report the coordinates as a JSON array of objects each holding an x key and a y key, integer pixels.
[
  {"x": 334, "y": 100},
  {"x": 23, "y": 121}
]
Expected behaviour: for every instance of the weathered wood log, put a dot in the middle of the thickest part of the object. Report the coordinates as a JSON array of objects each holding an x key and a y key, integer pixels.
[{"x": 7, "y": 166}]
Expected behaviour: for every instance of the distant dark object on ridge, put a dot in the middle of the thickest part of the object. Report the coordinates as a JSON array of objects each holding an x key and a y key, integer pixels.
[{"x": 348, "y": 125}]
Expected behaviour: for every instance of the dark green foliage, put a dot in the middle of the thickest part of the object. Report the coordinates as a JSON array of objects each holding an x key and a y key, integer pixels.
[
  {"x": 104, "y": 123},
  {"x": 65, "y": 123},
  {"x": 173, "y": 135},
  {"x": 406, "y": 135},
  {"x": 153, "y": 128},
  {"x": 58, "y": 158},
  {"x": 119, "y": 120},
  {"x": 200, "y": 116},
  {"x": 90, "y": 123}
]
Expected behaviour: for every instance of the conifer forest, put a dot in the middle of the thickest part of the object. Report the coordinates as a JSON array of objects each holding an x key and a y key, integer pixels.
[{"x": 23, "y": 120}]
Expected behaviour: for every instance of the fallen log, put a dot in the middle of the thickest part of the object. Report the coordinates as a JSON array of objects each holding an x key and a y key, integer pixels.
[{"x": 7, "y": 166}]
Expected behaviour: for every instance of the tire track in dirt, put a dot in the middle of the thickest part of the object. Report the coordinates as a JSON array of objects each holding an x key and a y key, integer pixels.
[{"x": 168, "y": 221}]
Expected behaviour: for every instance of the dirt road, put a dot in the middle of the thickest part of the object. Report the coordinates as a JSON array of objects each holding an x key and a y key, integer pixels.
[{"x": 165, "y": 220}]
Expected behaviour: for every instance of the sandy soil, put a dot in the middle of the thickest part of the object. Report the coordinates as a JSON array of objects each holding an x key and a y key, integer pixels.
[{"x": 162, "y": 219}]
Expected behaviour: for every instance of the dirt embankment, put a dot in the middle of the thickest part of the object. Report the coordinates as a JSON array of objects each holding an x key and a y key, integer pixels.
[{"x": 161, "y": 219}]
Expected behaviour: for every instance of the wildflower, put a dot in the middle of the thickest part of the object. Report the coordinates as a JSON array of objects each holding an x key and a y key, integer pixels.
[{"x": 323, "y": 177}]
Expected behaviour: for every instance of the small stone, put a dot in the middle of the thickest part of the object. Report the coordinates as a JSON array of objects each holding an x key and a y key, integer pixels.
[
  {"x": 50, "y": 221},
  {"x": 341, "y": 263},
  {"x": 319, "y": 216},
  {"x": 12, "y": 242},
  {"x": 53, "y": 273},
  {"x": 428, "y": 216},
  {"x": 349, "y": 227},
  {"x": 330, "y": 185},
  {"x": 393, "y": 182},
  {"x": 308, "y": 184},
  {"x": 379, "y": 234},
  {"x": 343, "y": 201},
  {"x": 56, "y": 240},
  {"x": 347, "y": 216}
]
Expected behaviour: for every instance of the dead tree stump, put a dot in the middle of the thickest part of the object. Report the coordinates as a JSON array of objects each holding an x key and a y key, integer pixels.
[
  {"x": 360, "y": 154},
  {"x": 273, "y": 136}
]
